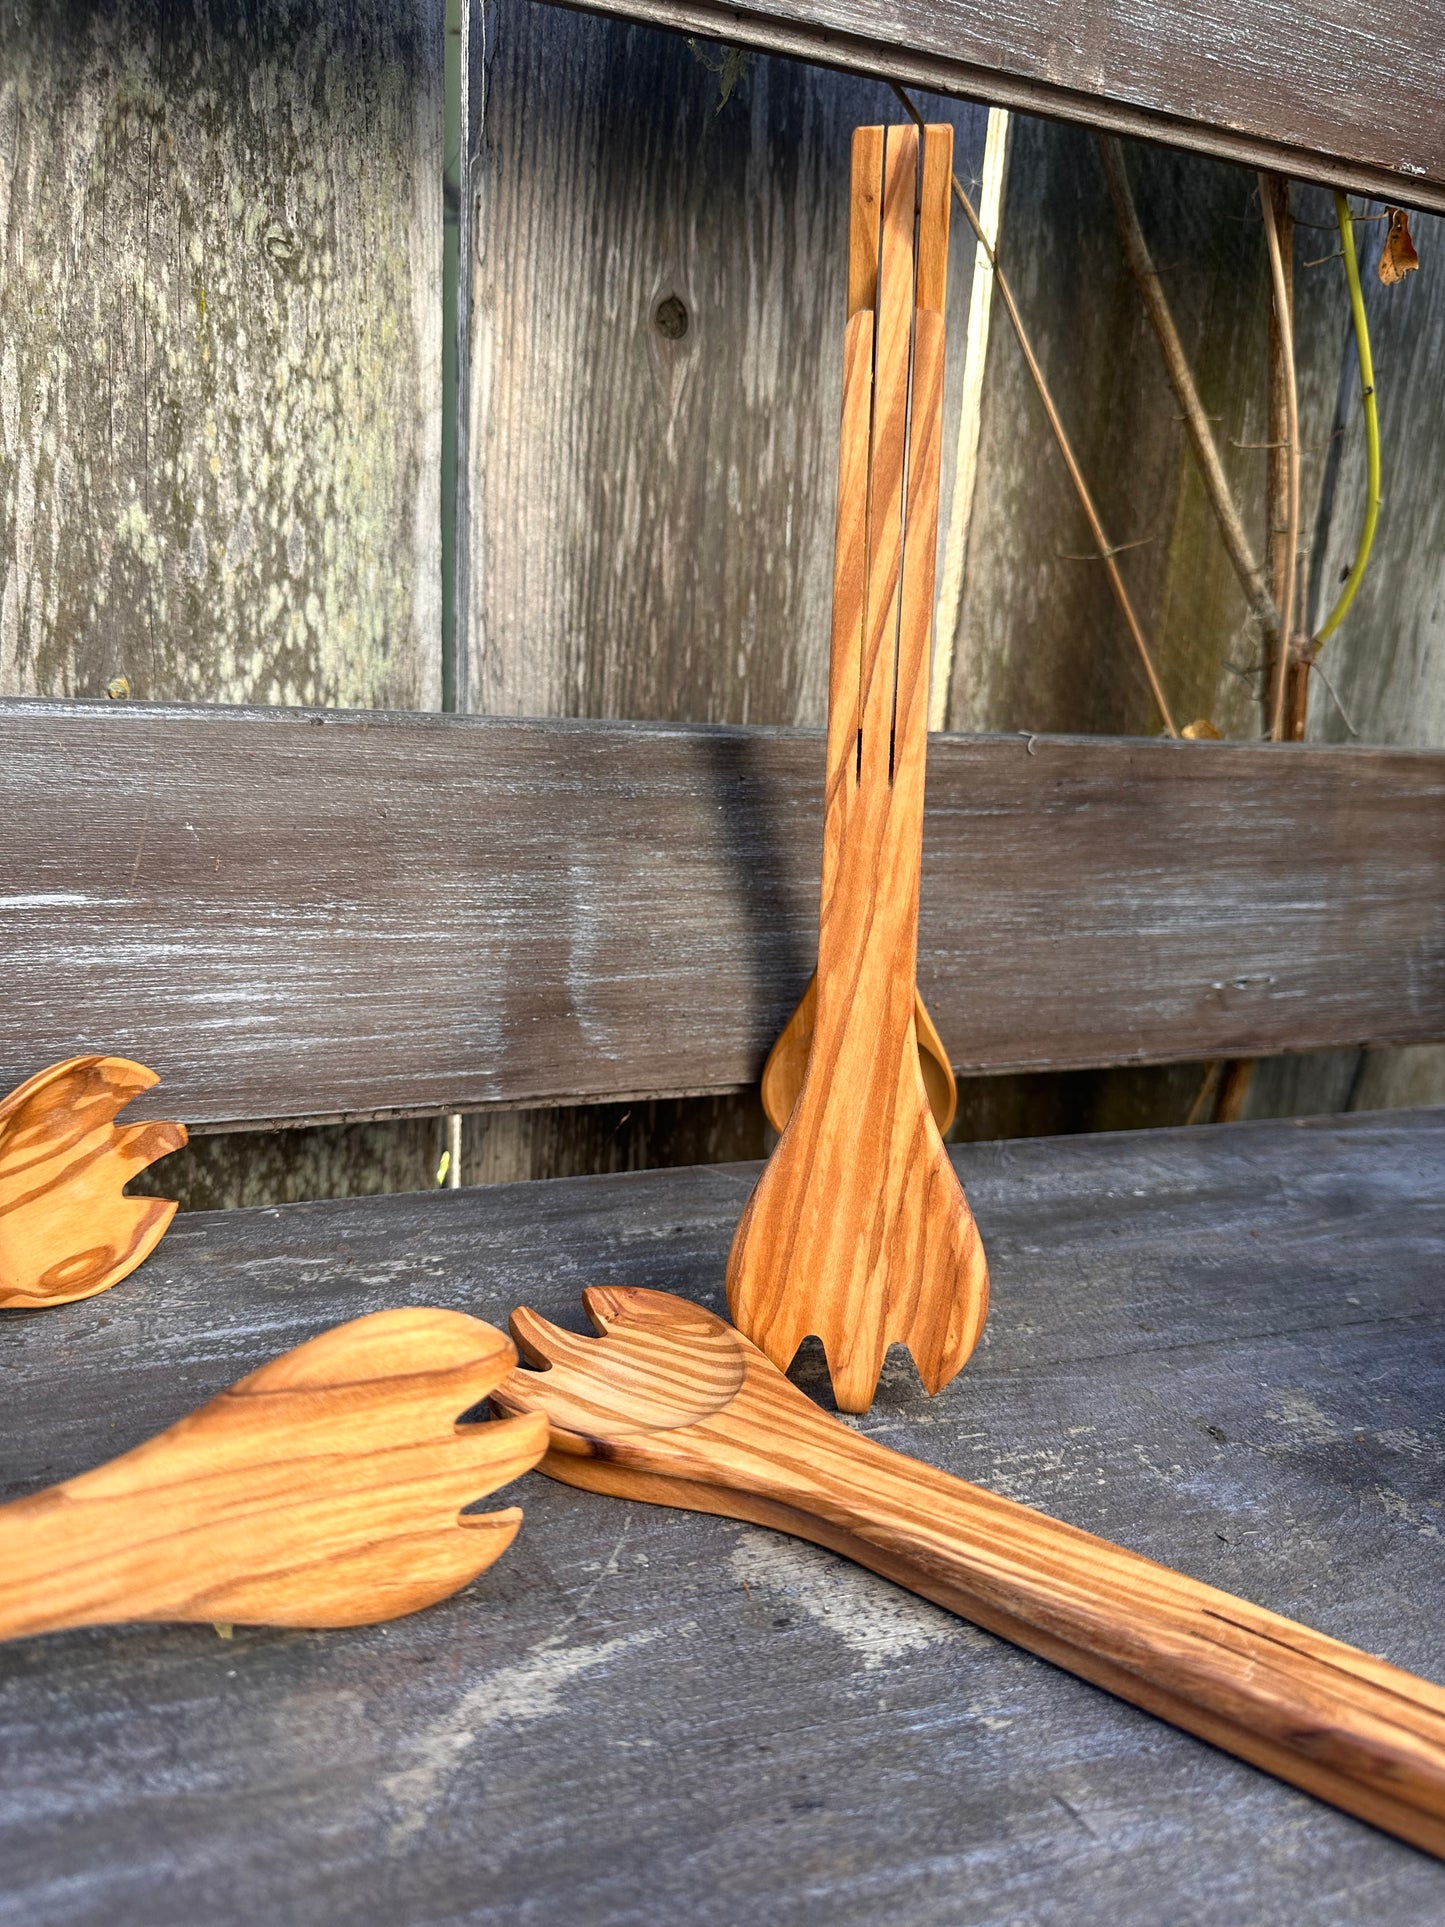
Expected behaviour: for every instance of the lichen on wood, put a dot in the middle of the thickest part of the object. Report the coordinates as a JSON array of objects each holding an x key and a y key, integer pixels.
[{"x": 220, "y": 241}]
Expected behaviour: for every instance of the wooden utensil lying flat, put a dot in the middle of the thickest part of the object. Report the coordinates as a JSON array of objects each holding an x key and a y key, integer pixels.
[
  {"x": 672, "y": 1406},
  {"x": 858, "y": 1230},
  {"x": 66, "y": 1231},
  {"x": 323, "y": 1490}
]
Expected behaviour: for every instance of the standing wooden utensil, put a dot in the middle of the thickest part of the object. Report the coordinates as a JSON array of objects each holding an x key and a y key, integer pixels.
[
  {"x": 858, "y": 1231},
  {"x": 672, "y": 1406},
  {"x": 323, "y": 1490}
]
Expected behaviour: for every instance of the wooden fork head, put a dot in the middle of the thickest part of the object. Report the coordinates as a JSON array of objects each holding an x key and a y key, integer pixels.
[
  {"x": 658, "y": 1364},
  {"x": 858, "y": 1231},
  {"x": 66, "y": 1231},
  {"x": 323, "y": 1490},
  {"x": 671, "y": 1405}
]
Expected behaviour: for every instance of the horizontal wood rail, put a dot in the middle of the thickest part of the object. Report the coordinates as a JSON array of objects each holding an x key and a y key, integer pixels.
[
  {"x": 1327, "y": 90},
  {"x": 301, "y": 915}
]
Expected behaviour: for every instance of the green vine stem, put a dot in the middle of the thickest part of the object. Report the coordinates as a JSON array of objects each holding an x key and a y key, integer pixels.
[{"x": 1372, "y": 423}]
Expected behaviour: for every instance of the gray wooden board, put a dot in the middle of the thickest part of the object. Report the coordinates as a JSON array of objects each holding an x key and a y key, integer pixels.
[
  {"x": 651, "y": 523},
  {"x": 1321, "y": 90},
  {"x": 1222, "y": 1347},
  {"x": 220, "y": 330},
  {"x": 1040, "y": 642},
  {"x": 294, "y": 915}
]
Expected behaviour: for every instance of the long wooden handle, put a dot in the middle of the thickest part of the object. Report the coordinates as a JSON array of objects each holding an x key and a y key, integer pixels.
[
  {"x": 53, "y": 1569},
  {"x": 670, "y": 1406},
  {"x": 1341, "y": 1723}
]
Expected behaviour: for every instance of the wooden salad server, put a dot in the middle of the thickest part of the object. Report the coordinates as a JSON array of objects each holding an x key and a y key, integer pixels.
[
  {"x": 323, "y": 1490},
  {"x": 858, "y": 1230},
  {"x": 787, "y": 1063},
  {"x": 66, "y": 1231},
  {"x": 671, "y": 1405}
]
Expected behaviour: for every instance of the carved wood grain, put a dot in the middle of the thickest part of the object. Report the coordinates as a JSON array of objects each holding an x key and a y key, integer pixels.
[
  {"x": 66, "y": 1231},
  {"x": 324, "y": 1489},
  {"x": 671, "y": 1406}
]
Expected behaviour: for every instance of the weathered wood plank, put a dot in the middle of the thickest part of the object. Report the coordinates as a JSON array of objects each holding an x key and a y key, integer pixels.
[
  {"x": 1386, "y": 663},
  {"x": 1032, "y": 570},
  {"x": 1385, "y": 659},
  {"x": 301, "y": 915},
  {"x": 220, "y": 337},
  {"x": 1040, "y": 643},
  {"x": 652, "y": 486},
  {"x": 220, "y": 387},
  {"x": 1316, "y": 90},
  {"x": 647, "y": 1717}
]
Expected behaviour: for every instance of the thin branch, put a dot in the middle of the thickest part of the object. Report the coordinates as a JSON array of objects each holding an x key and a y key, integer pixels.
[
  {"x": 1372, "y": 429},
  {"x": 1284, "y": 322},
  {"x": 1086, "y": 501},
  {"x": 1345, "y": 716},
  {"x": 1119, "y": 548},
  {"x": 1234, "y": 1083},
  {"x": 1203, "y": 1105},
  {"x": 1181, "y": 379},
  {"x": 970, "y": 421}
]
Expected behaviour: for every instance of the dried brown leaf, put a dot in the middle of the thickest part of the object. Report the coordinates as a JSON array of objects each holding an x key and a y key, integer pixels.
[{"x": 1398, "y": 257}]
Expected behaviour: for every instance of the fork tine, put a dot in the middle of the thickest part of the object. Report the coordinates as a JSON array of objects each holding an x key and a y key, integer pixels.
[
  {"x": 545, "y": 1345},
  {"x": 142, "y": 1144},
  {"x": 384, "y": 1347},
  {"x": 502, "y": 1450}
]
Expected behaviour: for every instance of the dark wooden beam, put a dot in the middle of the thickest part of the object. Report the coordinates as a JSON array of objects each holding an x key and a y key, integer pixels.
[
  {"x": 1324, "y": 90},
  {"x": 307, "y": 915}
]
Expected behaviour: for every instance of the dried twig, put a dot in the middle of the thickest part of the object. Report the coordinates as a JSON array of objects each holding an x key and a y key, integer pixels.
[
  {"x": 1286, "y": 370},
  {"x": 970, "y": 419},
  {"x": 1234, "y": 1083},
  {"x": 1086, "y": 500},
  {"x": 1181, "y": 379},
  {"x": 1203, "y": 1105}
]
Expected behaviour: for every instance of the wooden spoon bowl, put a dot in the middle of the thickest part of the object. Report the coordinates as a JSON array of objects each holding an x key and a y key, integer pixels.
[
  {"x": 66, "y": 1231},
  {"x": 788, "y": 1063}
]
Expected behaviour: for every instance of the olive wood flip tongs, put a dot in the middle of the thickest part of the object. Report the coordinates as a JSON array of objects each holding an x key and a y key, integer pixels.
[
  {"x": 673, "y": 1405},
  {"x": 858, "y": 1230},
  {"x": 889, "y": 452}
]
